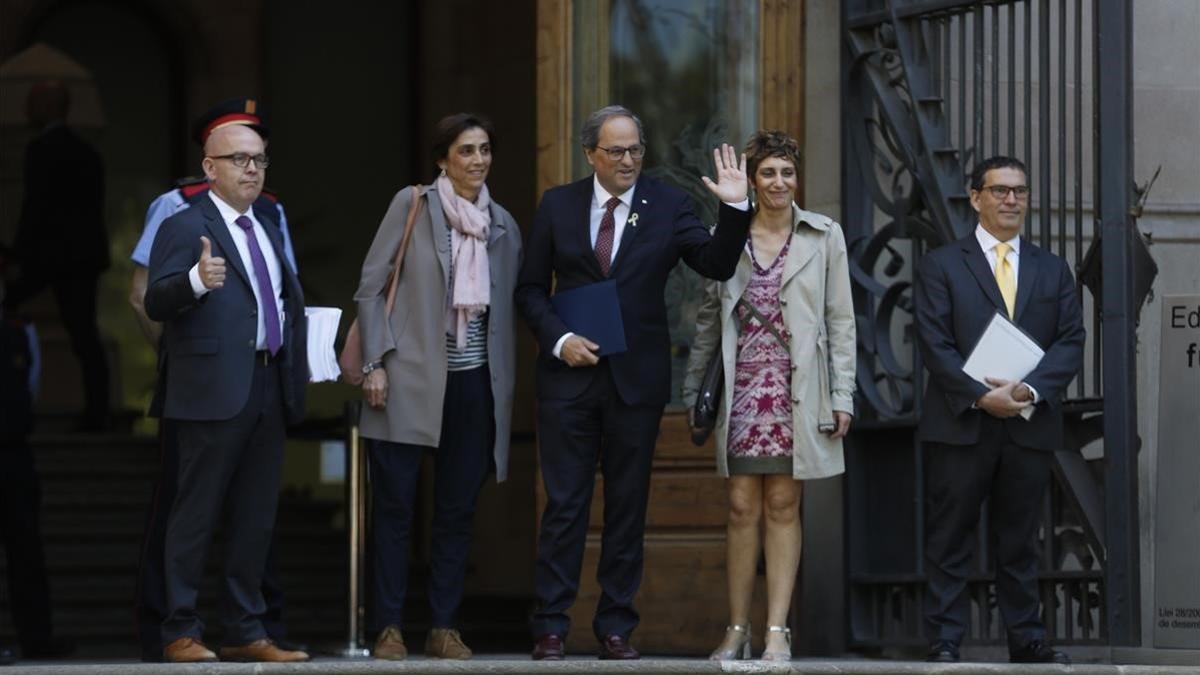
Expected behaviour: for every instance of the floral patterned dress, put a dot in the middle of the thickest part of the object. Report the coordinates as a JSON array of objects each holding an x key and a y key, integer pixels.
[{"x": 760, "y": 419}]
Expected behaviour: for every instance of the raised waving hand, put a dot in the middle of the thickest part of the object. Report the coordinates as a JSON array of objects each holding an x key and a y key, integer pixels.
[{"x": 731, "y": 185}]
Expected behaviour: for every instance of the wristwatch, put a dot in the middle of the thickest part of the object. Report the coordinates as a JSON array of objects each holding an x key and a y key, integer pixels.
[{"x": 374, "y": 365}]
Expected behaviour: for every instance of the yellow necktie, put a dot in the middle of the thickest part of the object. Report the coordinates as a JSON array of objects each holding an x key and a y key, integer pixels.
[{"x": 1005, "y": 278}]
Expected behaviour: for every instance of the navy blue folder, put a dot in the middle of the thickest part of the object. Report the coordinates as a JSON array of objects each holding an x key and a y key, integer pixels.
[{"x": 594, "y": 312}]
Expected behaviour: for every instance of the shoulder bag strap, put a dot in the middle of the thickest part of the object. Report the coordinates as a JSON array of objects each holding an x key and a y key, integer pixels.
[
  {"x": 394, "y": 280},
  {"x": 757, "y": 315}
]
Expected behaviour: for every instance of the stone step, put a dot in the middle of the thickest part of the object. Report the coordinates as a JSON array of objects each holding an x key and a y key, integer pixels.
[
  {"x": 519, "y": 664},
  {"x": 96, "y": 493},
  {"x": 116, "y": 521}
]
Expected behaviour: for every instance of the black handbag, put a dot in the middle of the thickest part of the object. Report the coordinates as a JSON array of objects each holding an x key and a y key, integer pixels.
[
  {"x": 708, "y": 399},
  {"x": 712, "y": 386}
]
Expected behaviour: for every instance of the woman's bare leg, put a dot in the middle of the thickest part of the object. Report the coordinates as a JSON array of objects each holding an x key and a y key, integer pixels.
[{"x": 781, "y": 501}]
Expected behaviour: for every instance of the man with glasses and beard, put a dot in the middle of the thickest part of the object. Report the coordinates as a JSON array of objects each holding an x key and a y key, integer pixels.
[{"x": 621, "y": 226}]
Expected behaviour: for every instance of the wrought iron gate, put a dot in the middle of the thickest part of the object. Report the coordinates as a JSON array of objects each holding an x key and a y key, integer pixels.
[{"x": 930, "y": 87}]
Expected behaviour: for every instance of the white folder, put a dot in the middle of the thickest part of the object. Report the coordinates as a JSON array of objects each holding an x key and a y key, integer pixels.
[
  {"x": 322, "y": 330},
  {"x": 1004, "y": 352}
]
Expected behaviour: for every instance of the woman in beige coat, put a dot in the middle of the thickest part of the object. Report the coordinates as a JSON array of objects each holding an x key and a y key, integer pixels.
[
  {"x": 784, "y": 325},
  {"x": 439, "y": 375}
]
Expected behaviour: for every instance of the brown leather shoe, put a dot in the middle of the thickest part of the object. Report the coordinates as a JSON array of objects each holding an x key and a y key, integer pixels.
[
  {"x": 548, "y": 647},
  {"x": 446, "y": 643},
  {"x": 188, "y": 650},
  {"x": 390, "y": 645},
  {"x": 617, "y": 648},
  {"x": 261, "y": 651}
]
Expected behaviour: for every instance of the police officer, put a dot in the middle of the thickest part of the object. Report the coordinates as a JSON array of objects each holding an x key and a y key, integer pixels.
[{"x": 151, "y": 591}]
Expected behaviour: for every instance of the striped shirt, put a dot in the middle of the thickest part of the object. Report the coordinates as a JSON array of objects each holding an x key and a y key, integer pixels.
[{"x": 474, "y": 354}]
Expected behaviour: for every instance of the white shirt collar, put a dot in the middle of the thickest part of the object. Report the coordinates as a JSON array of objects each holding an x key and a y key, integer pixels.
[
  {"x": 988, "y": 242},
  {"x": 229, "y": 213},
  {"x": 600, "y": 196}
]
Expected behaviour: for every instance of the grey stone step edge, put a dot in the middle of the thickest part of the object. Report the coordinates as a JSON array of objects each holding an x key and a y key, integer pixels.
[{"x": 520, "y": 665}]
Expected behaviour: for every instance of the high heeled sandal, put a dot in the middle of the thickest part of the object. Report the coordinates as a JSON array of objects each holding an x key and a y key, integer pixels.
[
  {"x": 740, "y": 649},
  {"x": 776, "y": 655}
]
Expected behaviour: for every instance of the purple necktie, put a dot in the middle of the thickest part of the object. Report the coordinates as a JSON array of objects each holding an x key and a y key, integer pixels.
[{"x": 270, "y": 312}]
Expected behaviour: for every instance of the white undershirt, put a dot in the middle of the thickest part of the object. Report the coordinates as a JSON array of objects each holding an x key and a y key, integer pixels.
[{"x": 988, "y": 243}]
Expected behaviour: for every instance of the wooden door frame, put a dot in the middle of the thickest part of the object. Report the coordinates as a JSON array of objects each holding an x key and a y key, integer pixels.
[{"x": 781, "y": 92}]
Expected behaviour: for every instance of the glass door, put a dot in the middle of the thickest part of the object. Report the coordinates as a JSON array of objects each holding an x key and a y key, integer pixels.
[{"x": 690, "y": 70}]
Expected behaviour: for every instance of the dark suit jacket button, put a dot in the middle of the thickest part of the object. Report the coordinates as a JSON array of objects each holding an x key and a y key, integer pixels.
[{"x": 251, "y": 344}]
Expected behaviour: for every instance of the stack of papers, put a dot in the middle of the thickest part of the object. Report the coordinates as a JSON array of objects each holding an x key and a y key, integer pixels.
[
  {"x": 1004, "y": 352},
  {"x": 322, "y": 331}
]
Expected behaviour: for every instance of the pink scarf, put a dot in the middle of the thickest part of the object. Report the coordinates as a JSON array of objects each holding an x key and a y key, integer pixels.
[{"x": 470, "y": 285}]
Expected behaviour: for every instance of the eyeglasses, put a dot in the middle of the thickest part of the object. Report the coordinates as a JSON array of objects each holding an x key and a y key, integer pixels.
[
  {"x": 1021, "y": 192},
  {"x": 241, "y": 160},
  {"x": 617, "y": 153}
]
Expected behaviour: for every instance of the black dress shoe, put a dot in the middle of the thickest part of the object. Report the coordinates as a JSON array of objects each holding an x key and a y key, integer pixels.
[
  {"x": 617, "y": 648},
  {"x": 548, "y": 647},
  {"x": 7, "y": 656},
  {"x": 942, "y": 651},
  {"x": 1037, "y": 651}
]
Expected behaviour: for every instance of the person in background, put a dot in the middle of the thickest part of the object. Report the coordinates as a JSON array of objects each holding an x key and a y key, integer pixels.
[
  {"x": 61, "y": 242},
  {"x": 783, "y": 327},
  {"x": 440, "y": 371}
]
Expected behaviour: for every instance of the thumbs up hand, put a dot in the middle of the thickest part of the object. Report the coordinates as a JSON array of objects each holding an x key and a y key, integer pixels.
[{"x": 211, "y": 268}]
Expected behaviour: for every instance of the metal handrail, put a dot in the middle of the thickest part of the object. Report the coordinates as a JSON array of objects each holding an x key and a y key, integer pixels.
[{"x": 356, "y": 520}]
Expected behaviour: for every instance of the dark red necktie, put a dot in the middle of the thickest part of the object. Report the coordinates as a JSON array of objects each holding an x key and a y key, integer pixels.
[{"x": 604, "y": 238}]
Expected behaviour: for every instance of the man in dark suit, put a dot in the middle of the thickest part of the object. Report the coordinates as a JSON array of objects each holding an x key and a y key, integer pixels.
[
  {"x": 151, "y": 593},
  {"x": 236, "y": 367},
  {"x": 61, "y": 242},
  {"x": 977, "y": 444},
  {"x": 622, "y": 226}
]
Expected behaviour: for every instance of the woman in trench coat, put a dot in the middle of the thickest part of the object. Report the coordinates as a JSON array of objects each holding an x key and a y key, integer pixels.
[
  {"x": 784, "y": 325},
  {"x": 439, "y": 375}
]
